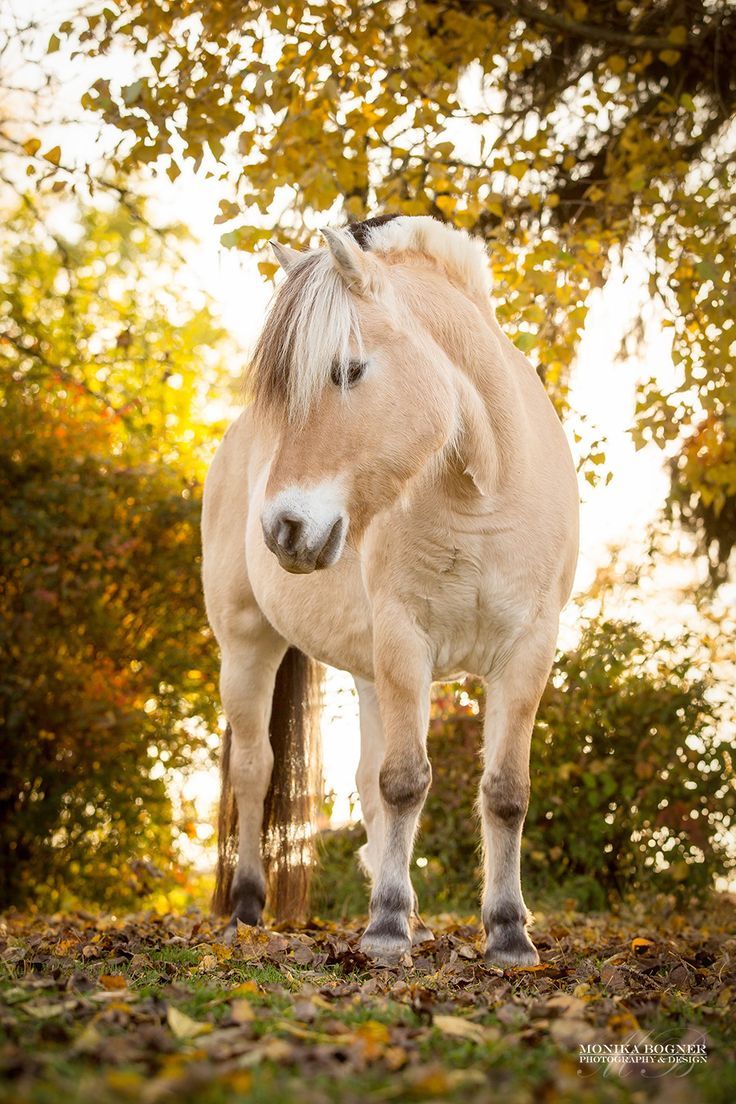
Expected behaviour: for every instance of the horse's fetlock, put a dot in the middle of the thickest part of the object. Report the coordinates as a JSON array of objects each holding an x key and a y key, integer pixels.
[{"x": 504, "y": 914}]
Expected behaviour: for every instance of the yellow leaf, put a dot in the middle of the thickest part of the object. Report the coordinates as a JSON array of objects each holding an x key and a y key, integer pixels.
[
  {"x": 616, "y": 63},
  {"x": 240, "y": 1081},
  {"x": 639, "y": 945},
  {"x": 247, "y": 987},
  {"x": 241, "y": 1011},
  {"x": 183, "y": 1027},
  {"x": 53, "y": 155},
  {"x": 669, "y": 57},
  {"x": 678, "y": 35},
  {"x": 88, "y": 1042},
  {"x": 518, "y": 169},
  {"x": 373, "y": 1037},
  {"x": 32, "y": 146},
  {"x": 460, "y": 1028}
]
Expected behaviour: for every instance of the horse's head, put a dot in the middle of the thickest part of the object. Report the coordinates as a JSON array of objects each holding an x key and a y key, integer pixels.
[{"x": 359, "y": 398}]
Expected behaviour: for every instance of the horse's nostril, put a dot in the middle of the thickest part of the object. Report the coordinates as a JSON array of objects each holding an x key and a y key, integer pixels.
[
  {"x": 331, "y": 545},
  {"x": 287, "y": 532}
]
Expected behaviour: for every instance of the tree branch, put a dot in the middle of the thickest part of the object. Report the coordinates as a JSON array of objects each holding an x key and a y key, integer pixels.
[{"x": 591, "y": 32}]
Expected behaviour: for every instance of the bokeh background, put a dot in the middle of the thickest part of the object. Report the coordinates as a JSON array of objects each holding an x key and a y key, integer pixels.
[{"x": 148, "y": 151}]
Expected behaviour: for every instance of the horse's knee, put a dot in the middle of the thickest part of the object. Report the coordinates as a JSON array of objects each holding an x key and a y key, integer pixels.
[
  {"x": 404, "y": 781},
  {"x": 505, "y": 799}
]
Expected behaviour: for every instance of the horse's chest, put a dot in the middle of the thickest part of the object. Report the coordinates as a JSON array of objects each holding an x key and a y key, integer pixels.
[
  {"x": 472, "y": 615},
  {"x": 325, "y": 614}
]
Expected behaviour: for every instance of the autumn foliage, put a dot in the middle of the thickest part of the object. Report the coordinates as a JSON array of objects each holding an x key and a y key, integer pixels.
[
  {"x": 570, "y": 136},
  {"x": 108, "y": 673}
]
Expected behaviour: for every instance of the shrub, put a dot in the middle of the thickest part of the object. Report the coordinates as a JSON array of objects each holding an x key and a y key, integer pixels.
[{"x": 632, "y": 789}]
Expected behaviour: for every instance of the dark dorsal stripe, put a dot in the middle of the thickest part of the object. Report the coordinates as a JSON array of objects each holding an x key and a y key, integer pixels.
[{"x": 361, "y": 230}]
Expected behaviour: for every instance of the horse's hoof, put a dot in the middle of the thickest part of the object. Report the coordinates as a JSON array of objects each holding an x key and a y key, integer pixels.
[
  {"x": 511, "y": 947},
  {"x": 384, "y": 943},
  {"x": 230, "y": 935},
  {"x": 420, "y": 933}
]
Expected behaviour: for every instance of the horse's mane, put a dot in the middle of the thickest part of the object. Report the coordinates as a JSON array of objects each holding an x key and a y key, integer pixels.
[{"x": 312, "y": 318}]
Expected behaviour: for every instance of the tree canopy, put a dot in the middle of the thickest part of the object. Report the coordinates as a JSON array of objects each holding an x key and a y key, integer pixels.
[{"x": 561, "y": 133}]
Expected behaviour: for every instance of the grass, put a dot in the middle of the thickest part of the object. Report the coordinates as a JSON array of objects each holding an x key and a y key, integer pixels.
[{"x": 146, "y": 1008}]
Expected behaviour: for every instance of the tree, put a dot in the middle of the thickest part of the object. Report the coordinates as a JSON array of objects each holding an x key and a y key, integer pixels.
[
  {"x": 561, "y": 133},
  {"x": 107, "y": 671}
]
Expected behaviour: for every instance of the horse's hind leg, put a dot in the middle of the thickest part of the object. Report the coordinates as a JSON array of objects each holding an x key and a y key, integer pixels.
[
  {"x": 366, "y": 777},
  {"x": 251, "y": 654},
  {"x": 371, "y": 804},
  {"x": 512, "y": 701}
]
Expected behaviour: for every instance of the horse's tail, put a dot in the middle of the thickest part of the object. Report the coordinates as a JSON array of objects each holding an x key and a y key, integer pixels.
[
  {"x": 227, "y": 832},
  {"x": 294, "y": 794}
]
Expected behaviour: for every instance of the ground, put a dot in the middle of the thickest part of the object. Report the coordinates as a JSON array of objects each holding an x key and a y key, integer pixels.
[{"x": 99, "y": 1009}]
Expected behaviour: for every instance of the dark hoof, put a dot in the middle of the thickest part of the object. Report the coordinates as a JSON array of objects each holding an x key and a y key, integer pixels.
[
  {"x": 509, "y": 945},
  {"x": 247, "y": 898},
  {"x": 386, "y": 940}
]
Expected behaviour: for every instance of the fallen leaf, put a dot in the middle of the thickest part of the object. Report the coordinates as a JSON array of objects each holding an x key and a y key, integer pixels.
[
  {"x": 241, "y": 1011},
  {"x": 305, "y": 1011},
  {"x": 460, "y": 1028},
  {"x": 183, "y": 1027},
  {"x": 113, "y": 981}
]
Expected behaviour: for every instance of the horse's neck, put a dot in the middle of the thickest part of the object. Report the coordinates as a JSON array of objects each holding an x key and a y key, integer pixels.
[{"x": 468, "y": 333}]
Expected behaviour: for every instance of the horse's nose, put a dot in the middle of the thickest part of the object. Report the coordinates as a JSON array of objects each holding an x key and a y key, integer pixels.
[
  {"x": 304, "y": 533},
  {"x": 287, "y": 531}
]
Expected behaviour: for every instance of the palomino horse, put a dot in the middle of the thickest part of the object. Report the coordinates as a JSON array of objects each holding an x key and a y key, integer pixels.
[{"x": 398, "y": 501}]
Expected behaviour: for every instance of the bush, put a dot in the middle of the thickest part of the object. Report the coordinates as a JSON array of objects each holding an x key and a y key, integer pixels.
[
  {"x": 631, "y": 784},
  {"x": 107, "y": 670},
  {"x": 632, "y": 791}
]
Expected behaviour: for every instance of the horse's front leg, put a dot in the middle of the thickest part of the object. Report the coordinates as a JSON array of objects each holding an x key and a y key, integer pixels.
[
  {"x": 403, "y": 679},
  {"x": 512, "y": 701},
  {"x": 372, "y": 750}
]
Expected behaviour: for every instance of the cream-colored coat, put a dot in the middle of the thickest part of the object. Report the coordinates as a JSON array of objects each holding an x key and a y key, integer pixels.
[{"x": 451, "y": 473}]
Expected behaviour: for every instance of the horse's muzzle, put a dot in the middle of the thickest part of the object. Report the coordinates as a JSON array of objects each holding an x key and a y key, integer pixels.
[{"x": 296, "y": 545}]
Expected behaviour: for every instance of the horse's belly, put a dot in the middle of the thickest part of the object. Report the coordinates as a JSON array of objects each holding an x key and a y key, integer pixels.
[{"x": 326, "y": 614}]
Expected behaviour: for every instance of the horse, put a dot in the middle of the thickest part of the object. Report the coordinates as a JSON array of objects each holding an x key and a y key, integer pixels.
[{"x": 399, "y": 501}]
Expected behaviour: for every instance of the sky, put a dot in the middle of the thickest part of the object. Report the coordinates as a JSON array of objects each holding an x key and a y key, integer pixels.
[{"x": 602, "y": 390}]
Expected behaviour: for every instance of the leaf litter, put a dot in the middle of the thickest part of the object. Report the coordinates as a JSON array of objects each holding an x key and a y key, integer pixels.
[{"x": 148, "y": 1007}]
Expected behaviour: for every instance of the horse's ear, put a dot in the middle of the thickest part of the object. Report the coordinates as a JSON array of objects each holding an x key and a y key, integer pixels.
[
  {"x": 285, "y": 255},
  {"x": 349, "y": 258},
  {"x": 476, "y": 443}
]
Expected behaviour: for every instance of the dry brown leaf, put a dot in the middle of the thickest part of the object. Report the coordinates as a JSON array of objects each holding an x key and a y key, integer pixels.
[{"x": 113, "y": 981}]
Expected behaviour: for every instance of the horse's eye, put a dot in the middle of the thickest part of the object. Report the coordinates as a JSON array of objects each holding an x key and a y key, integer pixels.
[{"x": 348, "y": 377}]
